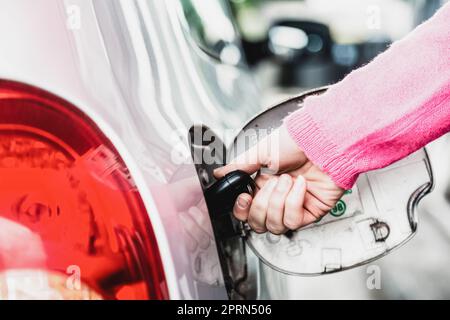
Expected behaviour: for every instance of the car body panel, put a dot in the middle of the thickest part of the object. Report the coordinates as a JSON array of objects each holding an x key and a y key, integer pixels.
[{"x": 131, "y": 67}]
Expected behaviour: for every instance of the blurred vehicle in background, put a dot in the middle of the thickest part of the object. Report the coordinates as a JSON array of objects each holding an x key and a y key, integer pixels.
[{"x": 310, "y": 43}]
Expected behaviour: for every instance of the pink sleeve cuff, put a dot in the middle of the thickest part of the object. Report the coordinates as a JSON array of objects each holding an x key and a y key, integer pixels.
[{"x": 382, "y": 112}]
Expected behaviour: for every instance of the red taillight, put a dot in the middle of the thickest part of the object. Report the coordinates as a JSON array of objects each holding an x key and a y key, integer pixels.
[{"x": 68, "y": 205}]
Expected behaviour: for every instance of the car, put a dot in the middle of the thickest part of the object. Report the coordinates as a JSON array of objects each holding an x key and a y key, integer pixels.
[
  {"x": 98, "y": 98},
  {"x": 101, "y": 106}
]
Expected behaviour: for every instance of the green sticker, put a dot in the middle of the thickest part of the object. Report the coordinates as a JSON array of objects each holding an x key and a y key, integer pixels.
[{"x": 339, "y": 209}]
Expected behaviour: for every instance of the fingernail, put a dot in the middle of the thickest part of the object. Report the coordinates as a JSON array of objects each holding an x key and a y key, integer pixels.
[{"x": 242, "y": 203}]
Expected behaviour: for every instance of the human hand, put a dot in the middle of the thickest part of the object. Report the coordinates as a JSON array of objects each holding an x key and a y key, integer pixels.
[{"x": 295, "y": 193}]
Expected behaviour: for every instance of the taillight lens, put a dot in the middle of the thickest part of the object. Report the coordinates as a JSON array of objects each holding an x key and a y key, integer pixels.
[{"x": 68, "y": 206}]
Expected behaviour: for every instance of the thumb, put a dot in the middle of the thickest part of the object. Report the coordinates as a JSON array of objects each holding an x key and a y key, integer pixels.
[
  {"x": 249, "y": 161},
  {"x": 277, "y": 152},
  {"x": 254, "y": 158}
]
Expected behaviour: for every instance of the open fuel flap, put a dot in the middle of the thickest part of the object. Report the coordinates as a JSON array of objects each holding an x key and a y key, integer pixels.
[{"x": 376, "y": 216}]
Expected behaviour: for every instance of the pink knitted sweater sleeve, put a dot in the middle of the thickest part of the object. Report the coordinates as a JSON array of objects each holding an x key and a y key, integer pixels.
[{"x": 383, "y": 111}]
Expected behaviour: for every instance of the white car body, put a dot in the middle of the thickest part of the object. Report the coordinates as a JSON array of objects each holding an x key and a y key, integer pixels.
[{"x": 132, "y": 68}]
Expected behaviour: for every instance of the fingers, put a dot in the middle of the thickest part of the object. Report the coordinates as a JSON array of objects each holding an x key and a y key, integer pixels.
[
  {"x": 249, "y": 162},
  {"x": 233, "y": 166},
  {"x": 284, "y": 202},
  {"x": 258, "y": 210},
  {"x": 315, "y": 206},
  {"x": 278, "y": 152},
  {"x": 275, "y": 210},
  {"x": 242, "y": 206},
  {"x": 293, "y": 211},
  {"x": 278, "y": 205},
  {"x": 308, "y": 218},
  {"x": 261, "y": 180}
]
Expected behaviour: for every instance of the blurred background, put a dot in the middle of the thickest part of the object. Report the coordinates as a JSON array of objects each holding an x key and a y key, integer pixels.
[
  {"x": 292, "y": 46},
  {"x": 295, "y": 44}
]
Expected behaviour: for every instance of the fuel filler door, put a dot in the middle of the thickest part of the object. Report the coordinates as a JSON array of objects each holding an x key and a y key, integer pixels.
[{"x": 376, "y": 216}]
